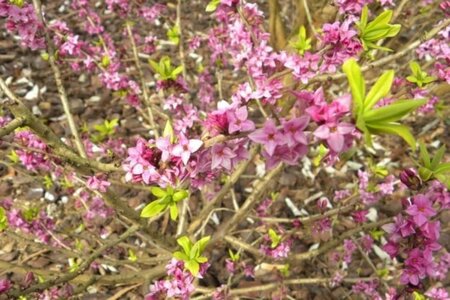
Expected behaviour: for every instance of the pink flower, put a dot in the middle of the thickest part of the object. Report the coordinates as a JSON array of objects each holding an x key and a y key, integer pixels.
[
  {"x": 293, "y": 131},
  {"x": 185, "y": 148},
  {"x": 334, "y": 134},
  {"x": 437, "y": 294},
  {"x": 421, "y": 210},
  {"x": 5, "y": 285},
  {"x": 96, "y": 183},
  {"x": 237, "y": 121},
  {"x": 222, "y": 156},
  {"x": 269, "y": 136}
]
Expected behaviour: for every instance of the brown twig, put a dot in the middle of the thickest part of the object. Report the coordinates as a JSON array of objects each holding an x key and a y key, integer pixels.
[
  {"x": 80, "y": 270},
  {"x": 221, "y": 194},
  {"x": 249, "y": 203},
  {"x": 11, "y": 126},
  {"x": 144, "y": 86},
  {"x": 59, "y": 83}
]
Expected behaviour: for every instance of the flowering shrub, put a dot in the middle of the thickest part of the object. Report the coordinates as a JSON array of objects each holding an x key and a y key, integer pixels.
[{"x": 224, "y": 149}]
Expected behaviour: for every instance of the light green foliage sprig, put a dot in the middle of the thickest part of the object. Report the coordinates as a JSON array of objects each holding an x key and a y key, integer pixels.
[
  {"x": 303, "y": 43},
  {"x": 371, "y": 32},
  {"x": 165, "y": 70},
  {"x": 167, "y": 199},
  {"x": 383, "y": 119},
  {"x": 419, "y": 77},
  {"x": 433, "y": 168},
  {"x": 191, "y": 254}
]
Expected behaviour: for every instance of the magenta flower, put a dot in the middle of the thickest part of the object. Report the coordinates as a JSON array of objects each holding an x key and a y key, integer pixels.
[
  {"x": 222, "y": 156},
  {"x": 5, "y": 285},
  {"x": 437, "y": 294},
  {"x": 269, "y": 136},
  {"x": 421, "y": 210},
  {"x": 293, "y": 131},
  {"x": 237, "y": 121},
  {"x": 164, "y": 144},
  {"x": 334, "y": 134},
  {"x": 96, "y": 183},
  {"x": 185, "y": 148}
]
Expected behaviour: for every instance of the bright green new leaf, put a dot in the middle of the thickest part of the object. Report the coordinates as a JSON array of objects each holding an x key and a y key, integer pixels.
[
  {"x": 158, "y": 192},
  {"x": 303, "y": 43},
  {"x": 3, "y": 219},
  {"x": 357, "y": 84},
  {"x": 212, "y": 5},
  {"x": 419, "y": 77},
  {"x": 193, "y": 266},
  {"x": 185, "y": 243},
  {"x": 173, "y": 34},
  {"x": 173, "y": 212},
  {"x": 371, "y": 32},
  {"x": 180, "y": 195},
  {"x": 392, "y": 112},
  {"x": 379, "y": 90},
  {"x": 397, "y": 129},
  {"x": 274, "y": 238},
  {"x": 152, "y": 209},
  {"x": 192, "y": 253},
  {"x": 424, "y": 155},
  {"x": 438, "y": 157}
]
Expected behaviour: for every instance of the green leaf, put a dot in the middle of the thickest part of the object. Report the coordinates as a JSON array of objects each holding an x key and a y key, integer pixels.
[
  {"x": 212, "y": 5},
  {"x": 201, "y": 259},
  {"x": 180, "y": 256},
  {"x": 152, "y": 209},
  {"x": 155, "y": 66},
  {"x": 438, "y": 157},
  {"x": 173, "y": 34},
  {"x": 444, "y": 179},
  {"x": 192, "y": 266},
  {"x": 379, "y": 90},
  {"x": 396, "y": 129},
  {"x": 3, "y": 219},
  {"x": 185, "y": 243},
  {"x": 415, "y": 68},
  {"x": 442, "y": 168},
  {"x": 392, "y": 112},
  {"x": 180, "y": 195},
  {"x": 158, "y": 192},
  {"x": 274, "y": 237},
  {"x": 424, "y": 155},
  {"x": 357, "y": 84},
  {"x": 364, "y": 18},
  {"x": 234, "y": 256},
  {"x": 168, "y": 132},
  {"x": 173, "y": 212},
  {"x": 202, "y": 243},
  {"x": 425, "y": 173},
  {"x": 381, "y": 20},
  {"x": 13, "y": 157},
  {"x": 178, "y": 70},
  {"x": 131, "y": 255}
]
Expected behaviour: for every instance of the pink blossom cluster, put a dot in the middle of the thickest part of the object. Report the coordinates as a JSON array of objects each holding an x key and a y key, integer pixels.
[
  {"x": 438, "y": 48},
  {"x": 34, "y": 155},
  {"x": 180, "y": 285},
  {"x": 22, "y": 20},
  {"x": 40, "y": 225},
  {"x": 163, "y": 162},
  {"x": 371, "y": 192},
  {"x": 280, "y": 251},
  {"x": 340, "y": 41},
  {"x": 332, "y": 129},
  {"x": 414, "y": 236},
  {"x": 94, "y": 207},
  {"x": 286, "y": 143},
  {"x": 351, "y": 6}
]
